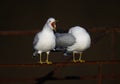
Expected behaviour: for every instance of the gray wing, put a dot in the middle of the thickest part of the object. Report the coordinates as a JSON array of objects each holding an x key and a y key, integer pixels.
[
  {"x": 64, "y": 40},
  {"x": 35, "y": 53},
  {"x": 35, "y": 40}
]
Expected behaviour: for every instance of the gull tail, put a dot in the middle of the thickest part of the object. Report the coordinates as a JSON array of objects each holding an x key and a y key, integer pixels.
[{"x": 35, "y": 54}]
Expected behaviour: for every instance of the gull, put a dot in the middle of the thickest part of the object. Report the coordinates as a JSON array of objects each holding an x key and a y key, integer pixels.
[
  {"x": 76, "y": 40},
  {"x": 44, "y": 41}
]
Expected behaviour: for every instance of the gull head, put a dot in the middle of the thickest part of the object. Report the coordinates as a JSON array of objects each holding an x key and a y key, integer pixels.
[{"x": 52, "y": 23}]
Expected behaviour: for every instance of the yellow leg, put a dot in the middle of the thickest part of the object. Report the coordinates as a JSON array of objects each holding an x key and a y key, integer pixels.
[
  {"x": 40, "y": 61},
  {"x": 74, "y": 58},
  {"x": 81, "y": 57},
  {"x": 47, "y": 59}
]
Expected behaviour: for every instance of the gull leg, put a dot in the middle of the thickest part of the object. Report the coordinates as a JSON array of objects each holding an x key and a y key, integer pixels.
[
  {"x": 81, "y": 57},
  {"x": 47, "y": 60},
  {"x": 74, "y": 57},
  {"x": 40, "y": 61}
]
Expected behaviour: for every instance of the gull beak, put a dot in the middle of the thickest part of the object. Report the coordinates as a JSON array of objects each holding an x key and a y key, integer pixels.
[{"x": 53, "y": 24}]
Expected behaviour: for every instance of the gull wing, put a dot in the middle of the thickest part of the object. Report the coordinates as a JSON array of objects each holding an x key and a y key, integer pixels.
[{"x": 64, "y": 40}]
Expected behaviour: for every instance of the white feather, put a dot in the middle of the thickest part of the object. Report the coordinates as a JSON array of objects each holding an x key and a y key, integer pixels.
[
  {"x": 83, "y": 40},
  {"x": 46, "y": 38}
]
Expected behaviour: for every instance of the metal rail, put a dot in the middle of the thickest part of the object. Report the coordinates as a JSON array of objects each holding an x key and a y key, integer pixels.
[
  {"x": 29, "y": 32},
  {"x": 60, "y": 64}
]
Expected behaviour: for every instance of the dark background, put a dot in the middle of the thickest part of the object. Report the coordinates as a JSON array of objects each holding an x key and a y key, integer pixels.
[
  {"x": 24, "y": 14},
  {"x": 32, "y": 15}
]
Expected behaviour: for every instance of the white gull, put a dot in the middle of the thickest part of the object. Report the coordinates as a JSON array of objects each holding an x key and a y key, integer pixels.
[
  {"x": 76, "y": 40},
  {"x": 44, "y": 40}
]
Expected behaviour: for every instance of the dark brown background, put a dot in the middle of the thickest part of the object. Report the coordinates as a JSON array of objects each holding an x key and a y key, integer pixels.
[{"x": 32, "y": 14}]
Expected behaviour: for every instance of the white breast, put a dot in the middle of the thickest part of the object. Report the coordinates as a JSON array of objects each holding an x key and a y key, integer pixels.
[{"x": 46, "y": 42}]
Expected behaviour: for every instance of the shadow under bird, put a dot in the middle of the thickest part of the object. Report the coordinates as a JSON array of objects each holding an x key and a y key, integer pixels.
[
  {"x": 44, "y": 41},
  {"x": 76, "y": 40}
]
